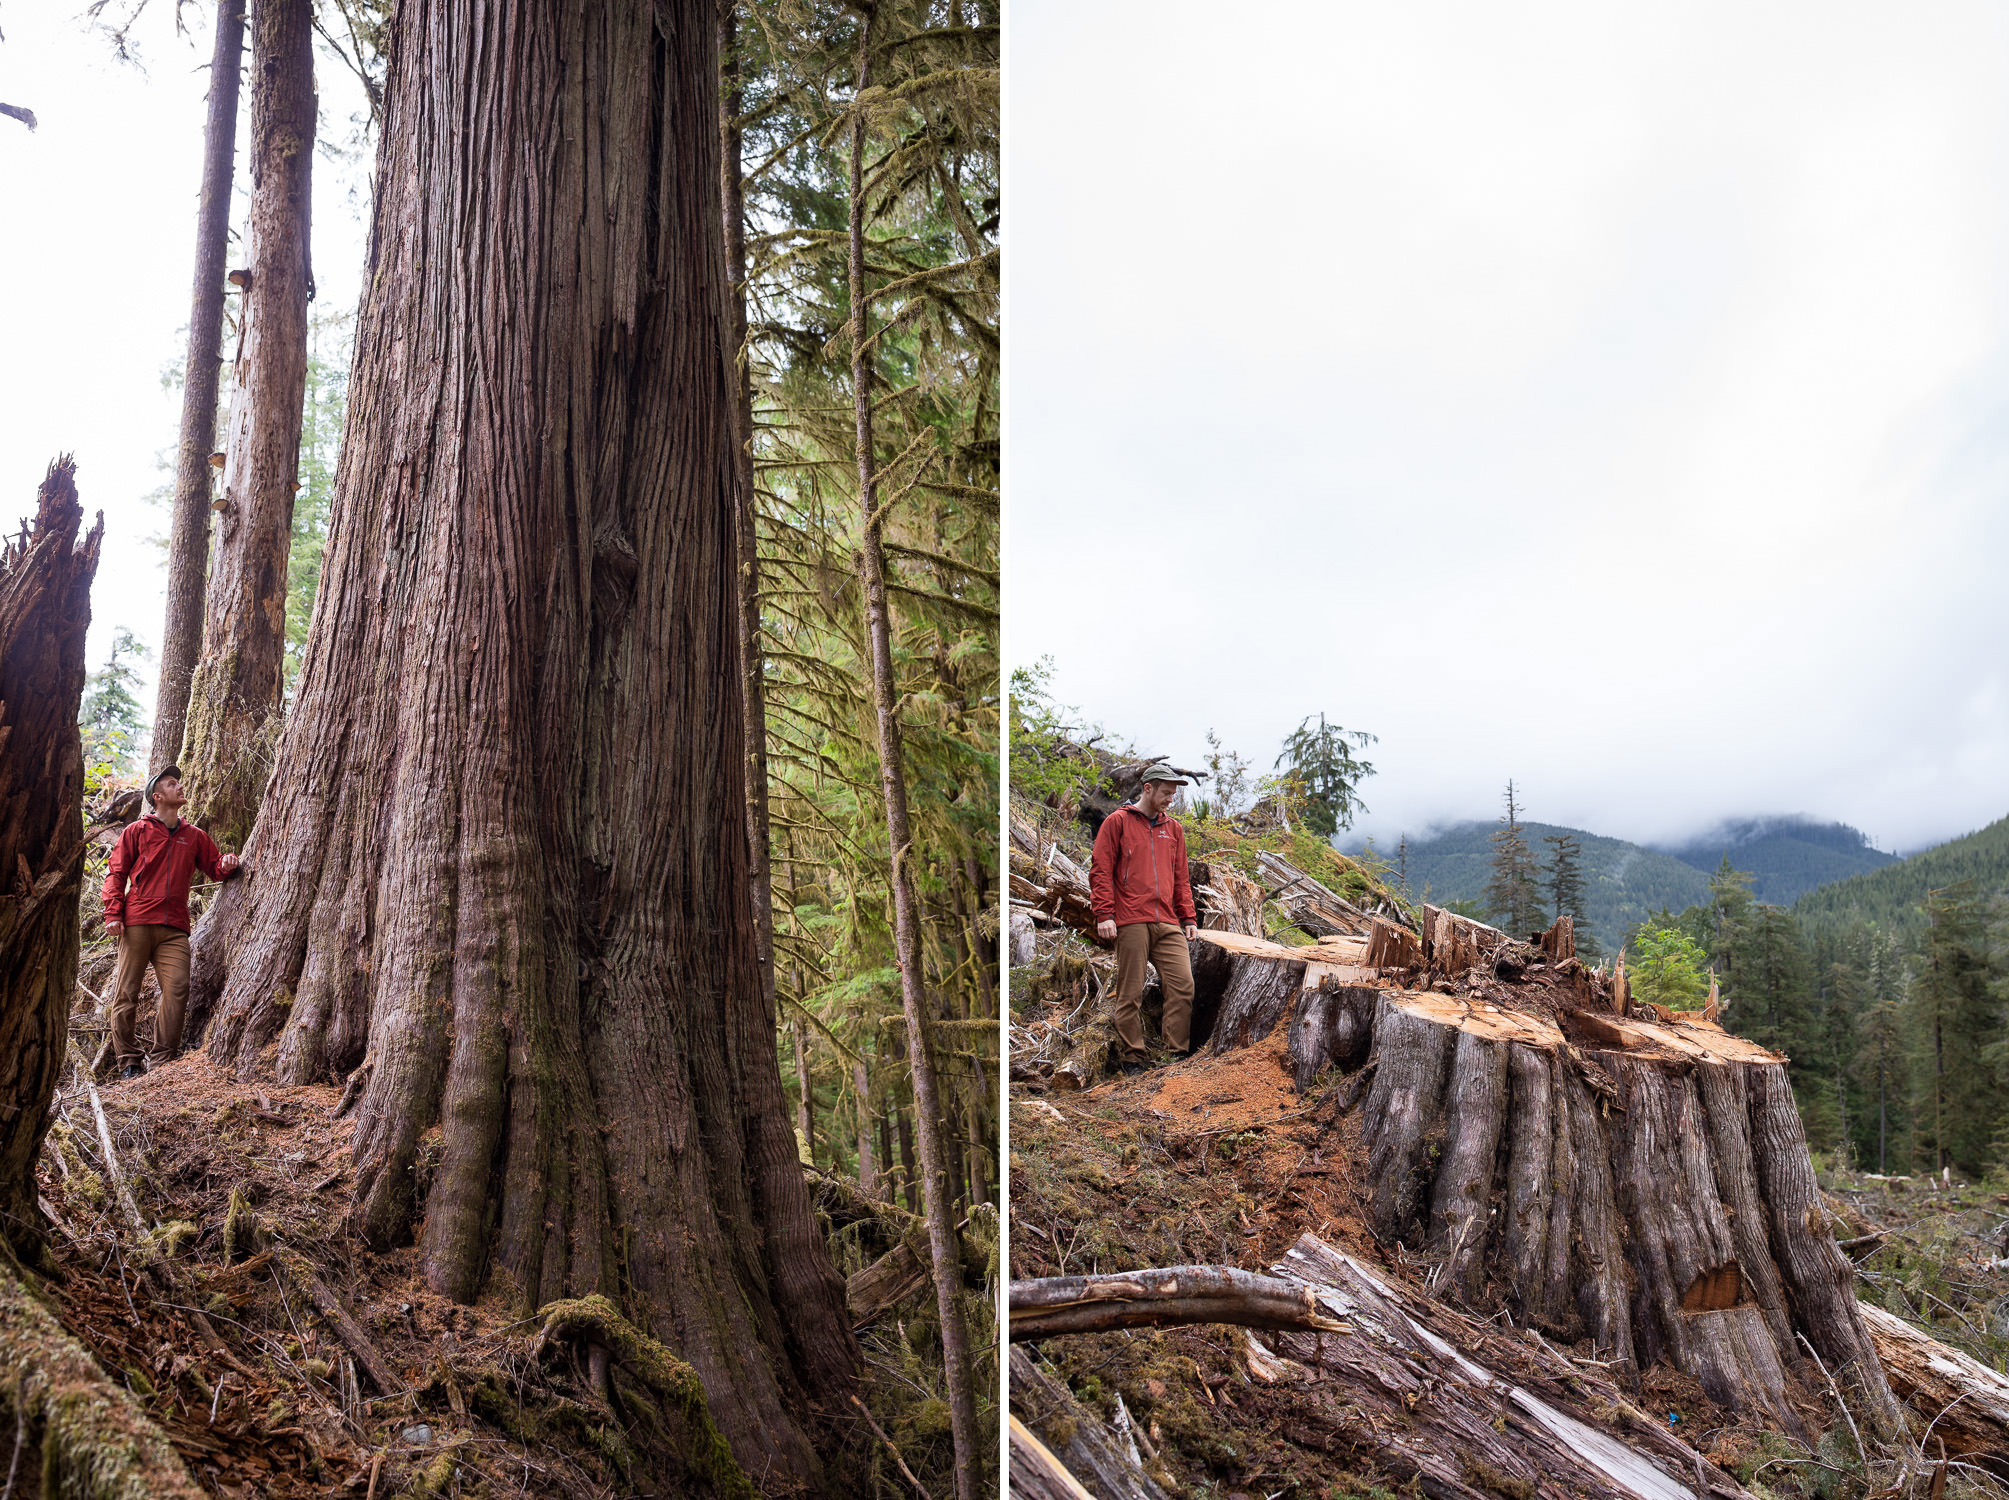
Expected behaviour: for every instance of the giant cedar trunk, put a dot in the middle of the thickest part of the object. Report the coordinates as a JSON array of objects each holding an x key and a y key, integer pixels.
[
  {"x": 45, "y": 610},
  {"x": 503, "y": 860},
  {"x": 234, "y": 701},
  {"x": 188, "y": 551}
]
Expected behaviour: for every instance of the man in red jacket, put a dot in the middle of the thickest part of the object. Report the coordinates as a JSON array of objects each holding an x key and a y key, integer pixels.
[
  {"x": 1142, "y": 896},
  {"x": 146, "y": 909}
]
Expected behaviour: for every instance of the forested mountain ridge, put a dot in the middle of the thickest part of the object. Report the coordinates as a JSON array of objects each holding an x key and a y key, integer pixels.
[
  {"x": 1624, "y": 883},
  {"x": 1787, "y": 857},
  {"x": 1894, "y": 896}
]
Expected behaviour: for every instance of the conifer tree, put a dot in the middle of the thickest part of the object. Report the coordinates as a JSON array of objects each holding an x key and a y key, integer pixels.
[
  {"x": 1323, "y": 761},
  {"x": 1513, "y": 894},
  {"x": 111, "y": 721},
  {"x": 1960, "y": 1025},
  {"x": 1562, "y": 878}
]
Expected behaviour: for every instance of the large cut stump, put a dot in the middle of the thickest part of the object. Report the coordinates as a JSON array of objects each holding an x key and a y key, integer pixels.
[{"x": 1641, "y": 1183}]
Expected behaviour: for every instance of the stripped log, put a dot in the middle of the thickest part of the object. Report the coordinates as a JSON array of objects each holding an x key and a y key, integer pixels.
[
  {"x": 1643, "y": 1184},
  {"x": 1462, "y": 1410},
  {"x": 1962, "y": 1400},
  {"x": 1441, "y": 1401},
  {"x": 1309, "y": 905},
  {"x": 1157, "y": 1298}
]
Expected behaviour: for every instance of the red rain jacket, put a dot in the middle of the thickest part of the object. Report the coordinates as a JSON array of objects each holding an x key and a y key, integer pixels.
[
  {"x": 1139, "y": 871},
  {"x": 160, "y": 862}
]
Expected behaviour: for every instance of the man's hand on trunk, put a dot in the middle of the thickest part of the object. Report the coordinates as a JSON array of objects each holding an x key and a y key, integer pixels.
[{"x": 228, "y": 865}]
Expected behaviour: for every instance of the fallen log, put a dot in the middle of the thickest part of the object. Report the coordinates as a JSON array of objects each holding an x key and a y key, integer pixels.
[
  {"x": 1309, "y": 905},
  {"x": 76, "y": 1432},
  {"x": 1177, "y": 1294},
  {"x": 1060, "y": 1448},
  {"x": 1465, "y": 1411},
  {"x": 1961, "y": 1400},
  {"x": 1448, "y": 1403},
  {"x": 1643, "y": 1184}
]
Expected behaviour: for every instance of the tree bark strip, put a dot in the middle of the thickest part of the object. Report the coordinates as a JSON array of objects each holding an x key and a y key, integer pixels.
[
  {"x": 503, "y": 857},
  {"x": 188, "y": 544},
  {"x": 936, "y": 1188},
  {"x": 235, "y": 699},
  {"x": 45, "y": 612}
]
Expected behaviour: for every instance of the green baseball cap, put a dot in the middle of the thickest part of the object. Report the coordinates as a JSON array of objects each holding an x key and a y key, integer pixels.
[{"x": 1163, "y": 772}]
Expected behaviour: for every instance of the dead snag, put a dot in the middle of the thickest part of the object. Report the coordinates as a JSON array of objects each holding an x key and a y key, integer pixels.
[
  {"x": 1154, "y": 1299},
  {"x": 45, "y": 610}
]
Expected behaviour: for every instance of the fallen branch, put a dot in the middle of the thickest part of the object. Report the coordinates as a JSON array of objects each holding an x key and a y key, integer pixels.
[
  {"x": 328, "y": 1302},
  {"x": 1178, "y": 1294}
]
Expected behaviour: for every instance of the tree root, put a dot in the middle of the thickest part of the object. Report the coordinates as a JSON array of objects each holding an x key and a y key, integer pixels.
[
  {"x": 595, "y": 1323},
  {"x": 75, "y": 1432}
]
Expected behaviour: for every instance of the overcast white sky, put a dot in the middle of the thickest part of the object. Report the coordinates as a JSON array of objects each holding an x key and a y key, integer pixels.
[
  {"x": 97, "y": 259},
  {"x": 1615, "y": 398}
]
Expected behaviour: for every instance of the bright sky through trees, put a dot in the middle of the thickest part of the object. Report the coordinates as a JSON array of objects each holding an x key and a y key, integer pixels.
[
  {"x": 97, "y": 261},
  {"x": 1607, "y": 397}
]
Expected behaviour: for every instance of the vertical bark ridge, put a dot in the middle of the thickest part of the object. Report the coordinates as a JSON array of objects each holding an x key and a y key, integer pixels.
[{"x": 519, "y": 888}]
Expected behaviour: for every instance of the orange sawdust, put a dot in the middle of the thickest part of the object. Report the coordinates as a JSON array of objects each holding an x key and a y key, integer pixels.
[{"x": 1249, "y": 1086}]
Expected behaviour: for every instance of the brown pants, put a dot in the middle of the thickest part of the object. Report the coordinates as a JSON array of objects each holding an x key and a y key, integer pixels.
[
  {"x": 166, "y": 948},
  {"x": 1164, "y": 946}
]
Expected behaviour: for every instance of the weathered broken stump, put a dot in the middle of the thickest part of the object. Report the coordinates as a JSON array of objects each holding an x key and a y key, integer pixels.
[{"x": 1641, "y": 1184}]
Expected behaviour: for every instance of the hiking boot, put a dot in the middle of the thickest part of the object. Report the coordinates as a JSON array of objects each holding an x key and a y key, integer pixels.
[
  {"x": 131, "y": 1071},
  {"x": 1130, "y": 1067}
]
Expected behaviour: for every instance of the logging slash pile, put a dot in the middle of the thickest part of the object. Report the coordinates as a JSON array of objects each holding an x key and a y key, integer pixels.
[{"x": 1435, "y": 1209}]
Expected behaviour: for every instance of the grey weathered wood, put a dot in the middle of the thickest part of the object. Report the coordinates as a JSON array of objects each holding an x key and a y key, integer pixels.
[
  {"x": 1158, "y": 1298},
  {"x": 1062, "y": 1450},
  {"x": 1331, "y": 1025}
]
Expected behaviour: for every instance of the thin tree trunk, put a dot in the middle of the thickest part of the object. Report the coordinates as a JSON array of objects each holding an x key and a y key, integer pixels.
[
  {"x": 45, "y": 611},
  {"x": 234, "y": 702},
  {"x": 868, "y": 1169},
  {"x": 805, "y": 1118},
  {"x": 502, "y": 863},
  {"x": 732, "y": 193},
  {"x": 188, "y": 546},
  {"x": 935, "y": 1167}
]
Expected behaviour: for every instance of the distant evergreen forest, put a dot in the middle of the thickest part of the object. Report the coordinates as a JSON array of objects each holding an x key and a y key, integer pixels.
[
  {"x": 1888, "y": 989},
  {"x": 1625, "y": 883}
]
